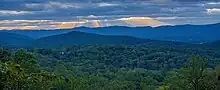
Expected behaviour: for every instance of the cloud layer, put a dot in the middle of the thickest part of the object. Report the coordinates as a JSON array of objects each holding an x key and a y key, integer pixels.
[{"x": 66, "y": 13}]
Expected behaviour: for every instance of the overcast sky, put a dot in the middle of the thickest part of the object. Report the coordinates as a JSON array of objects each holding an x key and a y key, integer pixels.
[{"x": 44, "y": 13}]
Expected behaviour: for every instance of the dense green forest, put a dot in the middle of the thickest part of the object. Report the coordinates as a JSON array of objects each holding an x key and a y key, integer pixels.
[{"x": 111, "y": 67}]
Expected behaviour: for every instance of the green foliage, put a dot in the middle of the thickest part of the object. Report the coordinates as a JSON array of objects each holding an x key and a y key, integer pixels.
[
  {"x": 16, "y": 73},
  {"x": 110, "y": 67},
  {"x": 195, "y": 76},
  {"x": 4, "y": 55},
  {"x": 26, "y": 60}
]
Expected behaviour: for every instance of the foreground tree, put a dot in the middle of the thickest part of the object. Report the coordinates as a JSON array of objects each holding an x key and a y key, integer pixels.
[
  {"x": 196, "y": 76},
  {"x": 19, "y": 71}
]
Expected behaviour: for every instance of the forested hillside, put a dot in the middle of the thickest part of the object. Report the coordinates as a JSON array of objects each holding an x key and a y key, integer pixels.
[
  {"x": 111, "y": 67},
  {"x": 87, "y": 61},
  {"x": 109, "y": 44}
]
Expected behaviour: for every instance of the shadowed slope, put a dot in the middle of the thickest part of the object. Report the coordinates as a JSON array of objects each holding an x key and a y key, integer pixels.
[
  {"x": 11, "y": 39},
  {"x": 74, "y": 37}
]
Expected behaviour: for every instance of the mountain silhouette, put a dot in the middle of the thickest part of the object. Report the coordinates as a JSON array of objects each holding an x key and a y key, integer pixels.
[
  {"x": 182, "y": 33},
  {"x": 11, "y": 39},
  {"x": 75, "y": 37}
]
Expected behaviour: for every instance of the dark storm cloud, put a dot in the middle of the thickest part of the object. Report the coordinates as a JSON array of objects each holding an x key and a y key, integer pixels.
[
  {"x": 172, "y": 10},
  {"x": 196, "y": 0},
  {"x": 21, "y": 4}
]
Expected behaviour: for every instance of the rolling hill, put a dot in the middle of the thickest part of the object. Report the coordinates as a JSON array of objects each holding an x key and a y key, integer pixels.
[
  {"x": 75, "y": 37},
  {"x": 11, "y": 39},
  {"x": 36, "y": 34},
  {"x": 113, "y": 35},
  {"x": 182, "y": 33}
]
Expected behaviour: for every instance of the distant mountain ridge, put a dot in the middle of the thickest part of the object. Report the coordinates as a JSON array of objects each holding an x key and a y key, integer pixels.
[
  {"x": 82, "y": 38},
  {"x": 36, "y": 34},
  {"x": 182, "y": 33},
  {"x": 112, "y": 35},
  {"x": 12, "y": 39},
  {"x": 65, "y": 40},
  {"x": 76, "y": 37}
]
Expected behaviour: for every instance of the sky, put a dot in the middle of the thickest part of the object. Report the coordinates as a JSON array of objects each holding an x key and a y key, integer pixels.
[{"x": 60, "y": 14}]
